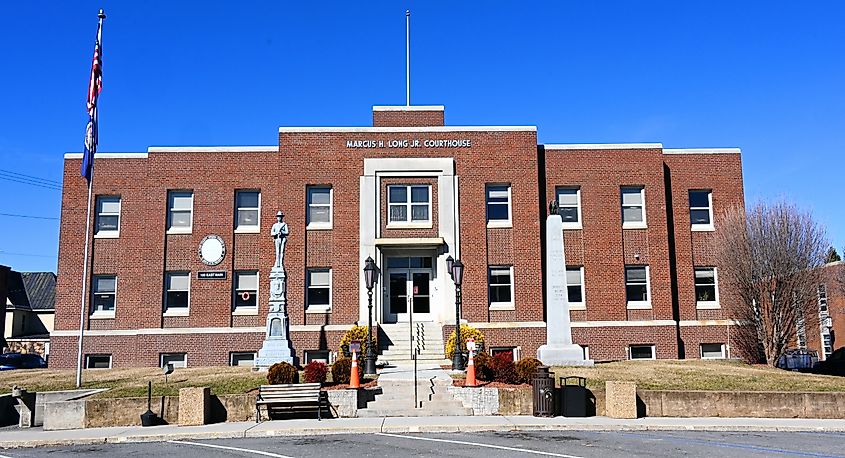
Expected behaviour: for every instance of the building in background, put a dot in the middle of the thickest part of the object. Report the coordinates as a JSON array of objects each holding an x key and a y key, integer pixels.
[
  {"x": 831, "y": 300},
  {"x": 30, "y": 308},
  {"x": 410, "y": 191}
]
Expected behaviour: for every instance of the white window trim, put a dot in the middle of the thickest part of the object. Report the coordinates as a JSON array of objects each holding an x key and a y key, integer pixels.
[
  {"x": 583, "y": 304},
  {"x": 318, "y": 308},
  {"x": 98, "y": 354},
  {"x": 103, "y": 314},
  {"x": 178, "y": 230},
  {"x": 653, "y": 352},
  {"x": 701, "y": 351},
  {"x": 233, "y": 353},
  {"x": 499, "y": 222},
  {"x": 108, "y": 234},
  {"x": 409, "y": 224},
  {"x": 569, "y": 225},
  {"x": 502, "y": 305},
  {"x": 703, "y": 227},
  {"x": 318, "y": 225},
  {"x": 639, "y": 305},
  {"x": 244, "y": 310},
  {"x": 634, "y": 224},
  {"x": 255, "y": 229},
  {"x": 161, "y": 358},
  {"x": 178, "y": 311},
  {"x": 707, "y": 305}
]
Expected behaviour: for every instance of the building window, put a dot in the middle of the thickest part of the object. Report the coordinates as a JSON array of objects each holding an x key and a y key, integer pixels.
[
  {"x": 633, "y": 207},
  {"x": 244, "y": 358},
  {"x": 177, "y": 292},
  {"x": 98, "y": 361},
  {"x": 575, "y": 287},
  {"x": 319, "y": 207},
  {"x": 319, "y": 290},
  {"x": 500, "y": 287},
  {"x": 569, "y": 207},
  {"x": 180, "y": 209},
  {"x": 637, "y": 287},
  {"x": 499, "y": 205},
  {"x": 409, "y": 204},
  {"x": 701, "y": 210},
  {"x": 246, "y": 290},
  {"x": 176, "y": 359},
  {"x": 713, "y": 351},
  {"x": 821, "y": 293},
  {"x": 108, "y": 216},
  {"x": 104, "y": 294},
  {"x": 321, "y": 356},
  {"x": 247, "y": 211},
  {"x": 706, "y": 288},
  {"x": 641, "y": 352}
]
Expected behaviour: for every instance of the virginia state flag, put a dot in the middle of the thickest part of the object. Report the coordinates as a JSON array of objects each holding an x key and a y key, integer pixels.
[{"x": 95, "y": 86}]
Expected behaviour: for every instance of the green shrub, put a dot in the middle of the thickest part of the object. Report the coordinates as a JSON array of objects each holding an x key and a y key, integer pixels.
[
  {"x": 316, "y": 372},
  {"x": 504, "y": 370},
  {"x": 282, "y": 374},
  {"x": 358, "y": 333},
  {"x": 483, "y": 371},
  {"x": 342, "y": 368},
  {"x": 467, "y": 331},
  {"x": 526, "y": 368}
]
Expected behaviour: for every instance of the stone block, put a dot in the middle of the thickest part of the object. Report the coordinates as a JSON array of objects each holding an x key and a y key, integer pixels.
[
  {"x": 60, "y": 415},
  {"x": 194, "y": 406},
  {"x": 621, "y": 399}
]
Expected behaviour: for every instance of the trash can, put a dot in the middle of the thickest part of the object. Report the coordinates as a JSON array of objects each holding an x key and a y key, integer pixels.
[
  {"x": 544, "y": 393},
  {"x": 573, "y": 398}
]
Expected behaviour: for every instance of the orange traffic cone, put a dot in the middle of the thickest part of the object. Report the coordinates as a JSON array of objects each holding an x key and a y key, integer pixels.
[
  {"x": 471, "y": 372},
  {"x": 354, "y": 381}
]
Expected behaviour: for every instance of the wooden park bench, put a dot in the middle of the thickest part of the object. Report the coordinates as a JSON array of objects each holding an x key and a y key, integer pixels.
[{"x": 291, "y": 397}]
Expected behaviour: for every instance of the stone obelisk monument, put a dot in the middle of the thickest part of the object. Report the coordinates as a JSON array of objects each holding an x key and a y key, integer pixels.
[
  {"x": 277, "y": 345},
  {"x": 559, "y": 349}
]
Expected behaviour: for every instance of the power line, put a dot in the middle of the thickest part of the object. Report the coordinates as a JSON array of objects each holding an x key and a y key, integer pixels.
[
  {"x": 28, "y": 216},
  {"x": 46, "y": 186},
  {"x": 45, "y": 180},
  {"x": 9, "y": 253}
]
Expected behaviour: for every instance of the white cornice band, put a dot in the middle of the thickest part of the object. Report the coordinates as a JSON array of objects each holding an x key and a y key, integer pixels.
[
  {"x": 213, "y": 149},
  {"x": 434, "y": 129},
  {"x": 109, "y": 156},
  {"x": 588, "y": 146},
  {"x": 702, "y": 151},
  {"x": 408, "y": 107}
]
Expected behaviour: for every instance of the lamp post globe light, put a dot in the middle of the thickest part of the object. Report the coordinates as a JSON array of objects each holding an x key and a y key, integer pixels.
[
  {"x": 449, "y": 262},
  {"x": 457, "y": 272},
  {"x": 371, "y": 272}
]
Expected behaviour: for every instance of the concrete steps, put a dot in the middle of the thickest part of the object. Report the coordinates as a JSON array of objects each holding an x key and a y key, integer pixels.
[
  {"x": 397, "y": 398},
  {"x": 398, "y": 344}
]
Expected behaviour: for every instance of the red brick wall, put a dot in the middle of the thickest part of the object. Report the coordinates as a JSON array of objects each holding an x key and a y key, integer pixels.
[{"x": 408, "y": 118}]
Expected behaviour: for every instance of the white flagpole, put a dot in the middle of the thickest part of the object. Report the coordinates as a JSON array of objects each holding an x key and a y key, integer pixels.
[
  {"x": 82, "y": 307},
  {"x": 408, "y": 57}
]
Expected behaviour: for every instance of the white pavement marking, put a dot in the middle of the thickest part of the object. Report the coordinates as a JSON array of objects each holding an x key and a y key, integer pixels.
[
  {"x": 5, "y": 456},
  {"x": 236, "y": 449},
  {"x": 499, "y": 447}
]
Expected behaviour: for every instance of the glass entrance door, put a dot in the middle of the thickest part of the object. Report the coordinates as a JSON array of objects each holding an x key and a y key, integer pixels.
[{"x": 409, "y": 293}]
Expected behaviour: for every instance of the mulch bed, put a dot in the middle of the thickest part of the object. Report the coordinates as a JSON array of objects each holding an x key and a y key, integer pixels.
[
  {"x": 345, "y": 386},
  {"x": 481, "y": 384}
]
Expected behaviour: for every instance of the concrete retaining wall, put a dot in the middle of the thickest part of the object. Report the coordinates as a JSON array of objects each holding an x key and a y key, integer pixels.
[{"x": 743, "y": 404}]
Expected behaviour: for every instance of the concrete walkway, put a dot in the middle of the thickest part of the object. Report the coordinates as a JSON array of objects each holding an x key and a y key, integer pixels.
[{"x": 35, "y": 437}]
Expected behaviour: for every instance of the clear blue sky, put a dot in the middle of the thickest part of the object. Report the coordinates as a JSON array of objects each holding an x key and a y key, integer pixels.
[{"x": 768, "y": 77}]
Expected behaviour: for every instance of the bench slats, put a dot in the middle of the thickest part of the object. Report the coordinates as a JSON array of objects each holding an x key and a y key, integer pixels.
[{"x": 305, "y": 395}]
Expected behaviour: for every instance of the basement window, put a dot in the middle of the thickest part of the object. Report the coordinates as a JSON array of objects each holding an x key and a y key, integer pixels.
[
  {"x": 641, "y": 352},
  {"x": 98, "y": 361},
  {"x": 713, "y": 351}
]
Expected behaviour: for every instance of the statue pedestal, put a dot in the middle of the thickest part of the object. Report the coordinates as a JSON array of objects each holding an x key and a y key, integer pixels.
[
  {"x": 559, "y": 349},
  {"x": 277, "y": 345}
]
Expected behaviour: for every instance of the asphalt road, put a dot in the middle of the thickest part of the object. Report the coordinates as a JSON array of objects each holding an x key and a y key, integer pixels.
[{"x": 569, "y": 444}]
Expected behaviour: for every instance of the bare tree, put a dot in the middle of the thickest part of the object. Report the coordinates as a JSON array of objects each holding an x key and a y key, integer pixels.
[{"x": 770, "y": 259}]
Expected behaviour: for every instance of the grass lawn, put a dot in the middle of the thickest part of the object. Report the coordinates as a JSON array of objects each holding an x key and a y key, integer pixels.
[
  {"x": 702, "y": 375},
  {"x": 649, "y": 375}
]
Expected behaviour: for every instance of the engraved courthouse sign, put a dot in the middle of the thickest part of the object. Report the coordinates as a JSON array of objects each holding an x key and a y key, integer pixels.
[{"x": 410, "y": 143}]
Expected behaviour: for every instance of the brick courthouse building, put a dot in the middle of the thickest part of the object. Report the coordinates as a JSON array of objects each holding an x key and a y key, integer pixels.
[{"x": 639, "y": 222}]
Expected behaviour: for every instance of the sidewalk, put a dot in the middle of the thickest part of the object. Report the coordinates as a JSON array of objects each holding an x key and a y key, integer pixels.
[{"x": 36, "y": 437}]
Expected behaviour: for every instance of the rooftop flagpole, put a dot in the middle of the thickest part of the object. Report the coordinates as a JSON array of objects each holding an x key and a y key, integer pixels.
[
  {"x": 408, "y": 57},
  {"x": 91, "y": 140}
]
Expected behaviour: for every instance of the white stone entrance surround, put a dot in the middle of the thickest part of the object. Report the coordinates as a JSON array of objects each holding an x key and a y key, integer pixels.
[{"x": 448, "y": 224}]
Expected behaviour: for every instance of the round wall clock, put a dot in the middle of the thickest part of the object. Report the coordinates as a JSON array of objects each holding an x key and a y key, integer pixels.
[{"x": 212, "y": 250}]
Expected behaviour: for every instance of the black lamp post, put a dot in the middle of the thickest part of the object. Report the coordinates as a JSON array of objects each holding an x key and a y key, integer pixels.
[
  {"x": 458, "y": 277},
  {"x": 371, "y": 277}
]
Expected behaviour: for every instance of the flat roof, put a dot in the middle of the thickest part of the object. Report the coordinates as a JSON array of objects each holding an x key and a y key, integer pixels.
[
  {"x": 408, "y": 107},
  {"x": 409, "y": 129},
  {"x": 570, "y": 146}
]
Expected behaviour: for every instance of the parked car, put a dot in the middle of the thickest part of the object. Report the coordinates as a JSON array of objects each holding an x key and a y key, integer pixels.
[
  {"x": 9, "y": 361},
  {"x": 833, "y": 365},
  {"x": 798, "y": 359}
]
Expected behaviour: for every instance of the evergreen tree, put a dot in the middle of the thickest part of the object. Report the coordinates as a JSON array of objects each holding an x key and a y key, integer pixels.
[{"x": 832, "y": 256}]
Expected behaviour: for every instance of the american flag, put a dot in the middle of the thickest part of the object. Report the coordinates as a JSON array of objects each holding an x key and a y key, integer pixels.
[{"x": 95, "y": 85}]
